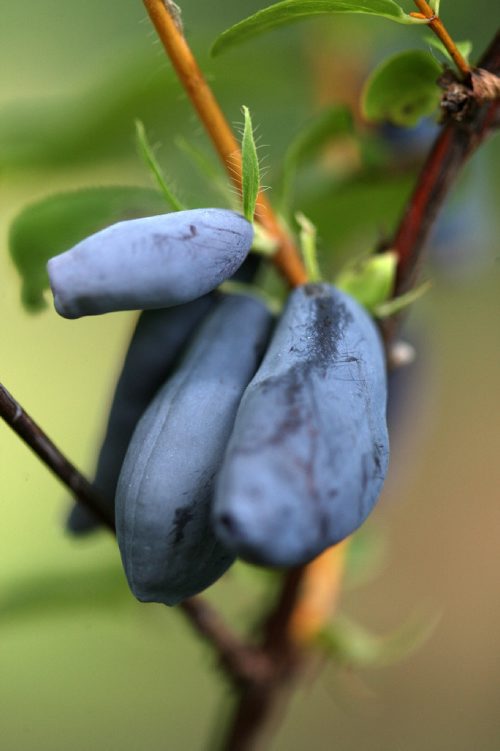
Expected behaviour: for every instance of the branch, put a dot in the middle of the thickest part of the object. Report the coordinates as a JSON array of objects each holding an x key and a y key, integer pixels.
[
  {"x": 258, "y": 701},
  {"x": 308, "y": 598},
  {"x": 457, "y": 141}
]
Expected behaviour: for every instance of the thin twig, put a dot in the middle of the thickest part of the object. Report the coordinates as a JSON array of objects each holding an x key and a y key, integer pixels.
[{"x": 33, "y": 435}]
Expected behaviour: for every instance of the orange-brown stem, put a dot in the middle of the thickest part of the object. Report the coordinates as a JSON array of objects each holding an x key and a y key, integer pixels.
[
  {"x": 437, "y": 26},
  {"x": 319, "y": 593},
  {"x": 287, "y": 258}
]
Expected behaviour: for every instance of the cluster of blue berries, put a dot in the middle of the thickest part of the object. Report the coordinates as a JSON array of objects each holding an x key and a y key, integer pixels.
[{"x": 230, "y": 434}]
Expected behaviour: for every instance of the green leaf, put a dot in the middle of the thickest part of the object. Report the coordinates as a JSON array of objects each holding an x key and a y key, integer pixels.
[
  {"x": 369, "y": 280},
  {"x": 391, "y": 307},
  {"x": 53, "y": 225},
  {"x": 250, "y": 181},
  {"x": 146, "y": 151},
  {"x": 328, "y": 125},
  {"x": 435, "y": 6},
  {"x": 402, "y": 89},
  {"x": 351, "y": 644},
  {"x": 464, "y": 47},
  {"x": 308, "y": 247},
  {"x": 289, "y": 11}
]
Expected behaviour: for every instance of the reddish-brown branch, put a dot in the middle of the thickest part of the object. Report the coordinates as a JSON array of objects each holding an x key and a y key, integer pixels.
[
  {"x": 276, "y": 635},
  {"x": 256, "y": 712},
  {"x": 456, "y": 142},
  {"x": 308, "y": 597},
  {"x": 258, "y": 701}
]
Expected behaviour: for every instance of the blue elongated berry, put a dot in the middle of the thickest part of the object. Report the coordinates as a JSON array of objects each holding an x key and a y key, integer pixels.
[
  {"x": 154, "y": 262},
  {"x": 155, "y": 347},
  {"x": 309, "y": 450},
  {"x": 165, "y": 488}
]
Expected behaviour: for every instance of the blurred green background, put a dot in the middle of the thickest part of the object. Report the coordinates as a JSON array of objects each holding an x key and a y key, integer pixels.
[{"x": 81, "y": 664}]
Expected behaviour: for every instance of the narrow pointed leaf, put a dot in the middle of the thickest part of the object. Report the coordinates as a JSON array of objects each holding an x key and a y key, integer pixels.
[
  {"x": 402, "y": 89},
  {"x": 288, "y": 11},
  {"x": 250, "y": 168},
  {"x": 53, "y": 225}
]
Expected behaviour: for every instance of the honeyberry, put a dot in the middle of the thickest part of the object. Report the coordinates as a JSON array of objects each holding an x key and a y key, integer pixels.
[
  {"x": 309, "y": 450},
  {"x": 153, "y": 262},
  {"x": 165, "y": 488},
  {"x": 155, "y": 346}
]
